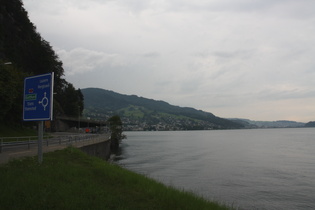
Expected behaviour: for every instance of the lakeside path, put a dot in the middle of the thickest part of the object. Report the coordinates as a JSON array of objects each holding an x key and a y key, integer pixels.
[{"x": 8, "y": 155}]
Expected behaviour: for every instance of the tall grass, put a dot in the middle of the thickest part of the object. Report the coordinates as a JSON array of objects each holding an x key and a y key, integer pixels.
[{"x": 70, "y": 179}]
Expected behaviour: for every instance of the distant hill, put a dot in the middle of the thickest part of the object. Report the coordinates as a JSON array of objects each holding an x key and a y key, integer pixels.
[
  {"x": 310, "y": 124},
  {"x": 268, "y": 124},
  {"x": 140, "y": 113}
]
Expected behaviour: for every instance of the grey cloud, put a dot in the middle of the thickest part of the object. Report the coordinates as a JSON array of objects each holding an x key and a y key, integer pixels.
[
  {"x": 248, "y": 51},
  {"x": 80, "y": 60},
  {"x": 151, "y": 55},
  {"x": 279, "y": 95},
  {"x": 243, "y": 54},
  {"x": 225, "y": 5}
]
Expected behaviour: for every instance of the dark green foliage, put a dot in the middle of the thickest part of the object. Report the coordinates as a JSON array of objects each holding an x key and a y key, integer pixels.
[
  {"x": 11, "y": 93},
  {"x": 29, "y": 55},
  {"x": 115, "y": 126},
  {"x": 15, "y": 131},
  {"x": 22, "y": 45},
  {"x": 71, "y": 100}
]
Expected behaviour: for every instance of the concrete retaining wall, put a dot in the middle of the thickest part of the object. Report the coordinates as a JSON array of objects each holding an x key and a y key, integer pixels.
[{"x": 101, "y": 150}]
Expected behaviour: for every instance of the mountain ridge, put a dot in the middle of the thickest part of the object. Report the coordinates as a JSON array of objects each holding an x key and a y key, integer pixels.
[
  {"x": 149, "y": 114},
  {"x": 139, "y": 113},
  {"x": 268, "y": 124}
]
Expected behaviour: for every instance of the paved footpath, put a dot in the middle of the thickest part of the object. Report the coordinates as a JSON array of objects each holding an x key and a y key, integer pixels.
[{"x": 6, "y": 156}]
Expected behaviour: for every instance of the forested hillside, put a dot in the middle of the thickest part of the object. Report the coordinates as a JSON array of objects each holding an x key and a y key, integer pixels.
[
  {"x": 23, "y": 52},
  {"x": 268, "y": 124},
  {"x": 310, "y": 124},
  {"x": 140, "y": 113}
]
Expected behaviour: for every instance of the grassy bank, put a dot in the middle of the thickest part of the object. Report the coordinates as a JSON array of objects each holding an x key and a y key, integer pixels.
[{"x": 70, "y": 179}]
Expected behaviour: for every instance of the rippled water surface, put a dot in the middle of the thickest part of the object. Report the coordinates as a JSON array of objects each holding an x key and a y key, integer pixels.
[{"x": 250, "y": 169}]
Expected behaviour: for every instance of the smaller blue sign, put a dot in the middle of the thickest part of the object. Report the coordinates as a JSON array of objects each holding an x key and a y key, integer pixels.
[{"x": 38, "y": 97}]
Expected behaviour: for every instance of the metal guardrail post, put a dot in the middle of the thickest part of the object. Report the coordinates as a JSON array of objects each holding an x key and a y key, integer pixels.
[
  {"x": 29, "y": 144},
  {"x": 1, "y": 142}
]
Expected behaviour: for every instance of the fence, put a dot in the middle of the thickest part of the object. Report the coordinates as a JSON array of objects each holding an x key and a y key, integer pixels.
[{"x": 26, "y": 142}]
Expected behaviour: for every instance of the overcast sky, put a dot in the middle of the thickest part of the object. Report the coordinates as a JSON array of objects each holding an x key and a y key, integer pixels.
[{"x": 251, "y": 59}]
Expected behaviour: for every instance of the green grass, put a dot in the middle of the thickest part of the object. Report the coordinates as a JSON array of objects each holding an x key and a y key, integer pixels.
[
  {"x": 70, "y": 179},
  {"x": 133, "y": 111}
]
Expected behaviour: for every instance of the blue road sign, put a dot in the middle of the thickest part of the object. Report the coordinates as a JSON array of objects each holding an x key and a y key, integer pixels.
[{"x": 38, "y": 97}]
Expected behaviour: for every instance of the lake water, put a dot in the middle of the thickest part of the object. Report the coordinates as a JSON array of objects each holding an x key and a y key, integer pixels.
[{"x": 247, "y": 169}]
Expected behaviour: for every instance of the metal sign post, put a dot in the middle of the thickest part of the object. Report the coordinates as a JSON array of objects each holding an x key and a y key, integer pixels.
[
  {"x": 40, "y": 141},
  {"x": 38, "y": 103}
]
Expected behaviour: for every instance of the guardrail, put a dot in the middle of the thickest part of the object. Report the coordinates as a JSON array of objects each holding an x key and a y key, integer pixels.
[{"x": 28, "y": 141}]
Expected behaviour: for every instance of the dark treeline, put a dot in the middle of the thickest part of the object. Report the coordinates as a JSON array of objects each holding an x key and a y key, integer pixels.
[{"x": 23, "y": 52}]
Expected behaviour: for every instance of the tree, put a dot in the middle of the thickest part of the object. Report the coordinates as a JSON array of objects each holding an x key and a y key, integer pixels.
[
  {"x": 11, "y": 93},
  {"x": 69, "y": 100},
  {"x": 30, "y": 55},
  {"x": 115, "y": 126}
]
